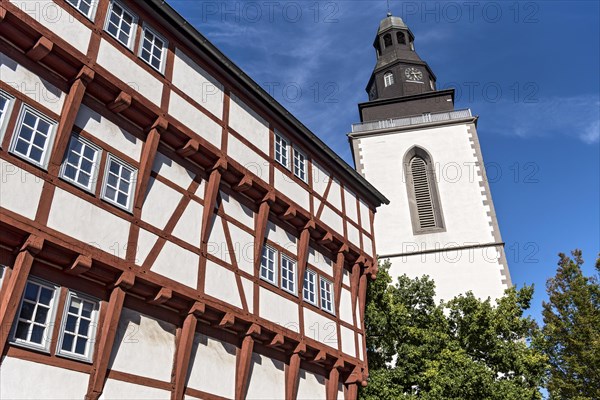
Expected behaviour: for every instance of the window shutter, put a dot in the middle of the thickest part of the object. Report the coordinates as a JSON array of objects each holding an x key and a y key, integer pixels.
[{"x": 422, "y": 190}]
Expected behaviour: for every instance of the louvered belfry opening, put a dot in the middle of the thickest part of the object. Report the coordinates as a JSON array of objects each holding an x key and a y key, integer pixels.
[{"x": 422, "y": 192}]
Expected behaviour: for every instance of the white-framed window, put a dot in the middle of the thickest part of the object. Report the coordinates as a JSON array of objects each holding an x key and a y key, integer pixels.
[
  {"x": 33, "y": 323},
  {"x": 121, "y": 23},
  {"x": 268, "y": 265},
  {"x": 288, "y": 274},
  {"x": 78, "y": 328},
  {"x": 33, "y": 136},
  {"x": 300, "y": 165},
  {"x": 309, "y": 292},
  {"x": 153, "y": 49},
  {"x": 6, "y": 104},
  {"x": 326, "y": 295},
  {"x": 388, "y": 79},
  {"x": 86, "y": 7},
  {"x": 119, "y": 182},
  {"x": 80, "y": 165},
  {"x": 282, "y": 151}
]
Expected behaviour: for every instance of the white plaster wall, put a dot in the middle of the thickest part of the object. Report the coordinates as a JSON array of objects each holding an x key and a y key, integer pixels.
[
  {"x": 346, "y": 277},
  {"x": 365, "y": 216},
  {"x": 320, "y": 328},
  {"x": 358, "y": 316},
  {"x": 58, "y": 20},
  {"x": 248, "y": 286},
  {"x": 146, "y": 240},
  {"x": 346, "y": 306},
  {"x": 249, "y": 124},
  {"x": 250, "y": 159},
  {"x": 334, "y": 197},
  {"x": 454, "y": 271},
  {"x": 172, "y": 170},
  {"x": 243, "y": 246},
  {"x": 311, "y": 386},
  {"x": 109, "y": 132},
  {"x": 278, "y": 309},
  {"x": 361, "y": 355},
  {"x": 144, "y": 346},
  {"x": 353, "y": 235},
  {"x": 237, "y": 210},
  {"x": 129, "y": 72},
  {"x": 178, "y": 264},
  {"x": 212, "y": 366},
  {"x": 160, "y": 203},
  {"x": 26, "y": 380},
  {"x": 450, "y": 148},
  {"x": 348, "y": 341},
  {"x": 320, "y": 261},
  {"x": 20, "y": 191},
  {"x": 292, "y": 189},
  {"x": 282, "y": 237},
  {"x": 350, "y": 205},
  {"x": 265, "y": 369},
  {"x": 31, "y": 85},
  {"x": 119, "y": 390},
  {"x": 88, "y": 223},
  {"x": 217, "y": 243},
  {"x": 465, "y": 216},
  {"x": 189, "y": 226},
  {"x": 367, "y": 244},
  {"x": 333, "y": 220},
  {"x": 221, "y": 284},
  {"x": 320, "y": 178},
  {"x": 195, "y": 120},
  {"x": 197, "y": 83}
]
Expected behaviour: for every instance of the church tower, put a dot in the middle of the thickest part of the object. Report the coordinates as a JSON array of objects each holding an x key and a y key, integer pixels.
[{"x": 425, "y": 157}]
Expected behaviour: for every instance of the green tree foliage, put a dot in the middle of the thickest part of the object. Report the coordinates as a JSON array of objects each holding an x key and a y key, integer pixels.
[
  {"x": 463, "y": 349},
  {"x": 572, "y": 331}
]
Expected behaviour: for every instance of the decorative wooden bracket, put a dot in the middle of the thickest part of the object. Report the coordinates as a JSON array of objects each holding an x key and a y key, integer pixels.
[
  {"x": 227, "y": 321},
  {"x": 40, "y": 49},
  {"x": 290, "y": 213},
  {"x": 320, "y": 357},
  {"x": 125, "y": 281},
  {"x": 2, "y": 14},
  {"x": 120, "y": 104},
  {"x": 189, "y": 148},
  {"x": 198, "y": 309},
  {"x": 254, "y": 331},
  {"x": 81, "y": 265},
  {"x": 163, "y": 295},
  {"x": 328, "y": 238},
  {"x": 244, "y": 184},
  {"x": 277, "y": 341},
  {"x": 33, "y": 244}
]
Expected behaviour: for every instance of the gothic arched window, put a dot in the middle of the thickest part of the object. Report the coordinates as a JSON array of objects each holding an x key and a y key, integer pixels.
[
  {"x": 388, "y": 79},
  {"x": 387, "y": 40},
  {"x": 401, "y": 38},
  {"x": 423, "y": 197}
]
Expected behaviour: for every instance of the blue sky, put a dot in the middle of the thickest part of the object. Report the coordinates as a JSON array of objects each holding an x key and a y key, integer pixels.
[{"x": 528, "y": 69}]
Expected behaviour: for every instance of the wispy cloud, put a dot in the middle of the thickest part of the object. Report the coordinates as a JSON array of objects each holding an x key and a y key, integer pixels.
[{"x": 575, "y": 116}]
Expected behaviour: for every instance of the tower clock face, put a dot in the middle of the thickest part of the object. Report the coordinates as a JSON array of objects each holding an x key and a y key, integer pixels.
[{"x": 413, "y": 74}]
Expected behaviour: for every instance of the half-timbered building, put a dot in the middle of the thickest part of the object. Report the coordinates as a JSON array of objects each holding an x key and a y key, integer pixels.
[{"x": 168, "y": 230}]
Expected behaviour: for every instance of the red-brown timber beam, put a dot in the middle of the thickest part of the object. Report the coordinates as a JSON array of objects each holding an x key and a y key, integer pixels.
[
  {"x": 106, "y": 337},
  {"x": 334, "y": 380},
  {"x": 292, "y": 373},
  {"x": 260, "y": 227},
  {"x": 243, "y": 362},
  {"x": 184, "y": 350},
  {"x": 67, "y": 117},
  {"x": 147, "y": 160},
  {"x": 16, "y": 285}
]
